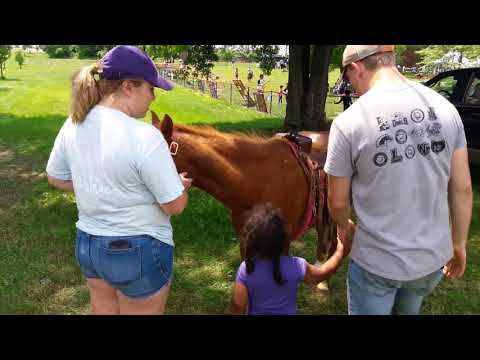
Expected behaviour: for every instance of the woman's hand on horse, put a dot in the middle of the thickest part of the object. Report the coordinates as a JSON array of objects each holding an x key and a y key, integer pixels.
[{"x": 187, "y": 182}]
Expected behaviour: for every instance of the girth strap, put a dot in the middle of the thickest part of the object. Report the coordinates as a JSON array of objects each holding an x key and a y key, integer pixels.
[{"x": 317, "y": 195}]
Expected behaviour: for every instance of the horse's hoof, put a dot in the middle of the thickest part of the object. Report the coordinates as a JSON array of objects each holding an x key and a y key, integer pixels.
[{"x": 323, "y": 286}]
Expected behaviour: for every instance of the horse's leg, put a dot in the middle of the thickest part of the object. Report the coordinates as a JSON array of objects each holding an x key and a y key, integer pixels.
[{"x": 326, "y": 246}]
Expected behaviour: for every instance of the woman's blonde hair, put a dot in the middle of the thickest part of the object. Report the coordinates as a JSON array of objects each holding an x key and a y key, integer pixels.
[{"x": 88, "y": 91}]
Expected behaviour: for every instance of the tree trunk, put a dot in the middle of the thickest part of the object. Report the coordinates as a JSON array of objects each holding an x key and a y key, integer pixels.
[
  {"x": 293, "y": 119},
  {"x": 307, "y": 87}
]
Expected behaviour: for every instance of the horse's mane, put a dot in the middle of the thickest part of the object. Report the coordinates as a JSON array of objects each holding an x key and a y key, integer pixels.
[{"x": 210, "y": 132}]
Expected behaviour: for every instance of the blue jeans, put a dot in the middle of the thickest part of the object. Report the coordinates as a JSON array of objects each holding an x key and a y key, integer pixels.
[
  {"x": 370, "y": 294},
  {"x": 138, "y": 266}
]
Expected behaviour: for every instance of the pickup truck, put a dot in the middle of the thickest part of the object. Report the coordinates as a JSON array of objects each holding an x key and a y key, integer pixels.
[{"x": 462, "y": 88}]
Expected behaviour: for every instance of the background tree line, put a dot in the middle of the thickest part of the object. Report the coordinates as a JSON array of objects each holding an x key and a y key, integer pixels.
[{"x": 308, "y": 66}]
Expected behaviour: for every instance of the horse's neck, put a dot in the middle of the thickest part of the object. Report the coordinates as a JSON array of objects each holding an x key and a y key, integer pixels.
[{"x": 222, "y": 166}]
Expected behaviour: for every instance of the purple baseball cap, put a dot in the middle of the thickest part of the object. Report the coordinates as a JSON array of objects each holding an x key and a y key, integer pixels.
[{"x": 130, "y": 63}]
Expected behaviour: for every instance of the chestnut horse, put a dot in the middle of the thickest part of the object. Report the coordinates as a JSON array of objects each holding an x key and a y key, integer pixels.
[{"x": 243, "y": 171}]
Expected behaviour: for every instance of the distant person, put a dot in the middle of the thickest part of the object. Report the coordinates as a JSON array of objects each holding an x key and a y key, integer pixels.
[
  {"x": 250, "y": 73},
  {"x": 346, "y": 99},
  {"x": 261, "y": 84},
  {"x": 267, "y": 281},
  {"x": 236, "y": 73},
  {"x": 281, "y": 93}
]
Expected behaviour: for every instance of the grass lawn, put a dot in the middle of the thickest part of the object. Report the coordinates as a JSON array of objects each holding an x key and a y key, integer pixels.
[{"x": 39, "y": 274}]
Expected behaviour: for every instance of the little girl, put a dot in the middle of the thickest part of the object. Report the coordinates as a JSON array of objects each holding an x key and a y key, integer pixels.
[{"x": 267, "y": 281}]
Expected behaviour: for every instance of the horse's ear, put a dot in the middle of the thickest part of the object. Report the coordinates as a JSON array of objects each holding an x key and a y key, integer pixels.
[
  {"x": 167, "y": 127},
  {"x": 155, "y": 120}
]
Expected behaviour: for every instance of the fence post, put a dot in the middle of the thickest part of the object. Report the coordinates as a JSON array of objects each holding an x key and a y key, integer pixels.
[
  {"x": 271, "y": 98},
  {"x": 248, "y": 96}
]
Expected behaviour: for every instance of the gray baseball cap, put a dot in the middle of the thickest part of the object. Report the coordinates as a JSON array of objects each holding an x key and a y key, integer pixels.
[{"x": 353, "y": 53}]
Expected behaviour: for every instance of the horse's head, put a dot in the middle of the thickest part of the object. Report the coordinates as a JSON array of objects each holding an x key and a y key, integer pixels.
[
  {"x": 166, "y": 127},
  {"x": 181, "y": 146}
]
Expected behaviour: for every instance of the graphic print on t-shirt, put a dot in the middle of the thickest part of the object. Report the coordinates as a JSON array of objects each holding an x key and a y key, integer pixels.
[
  {"x": 382, "y": 123},
  {"x": 401, "y": 136},
  {"x": 417, "y": 115},
  {"x": 409, "y": 151},
  {"x": 438, "y": 146},
  {"x": 383, "y": 140},
  {"x": 399, "y": 119},
  {"x": 412, "y": 136},
  {"x": 433, "y": 129},
  {"x": 431, "y": 114},
  {"x": 424, "y": 148}
]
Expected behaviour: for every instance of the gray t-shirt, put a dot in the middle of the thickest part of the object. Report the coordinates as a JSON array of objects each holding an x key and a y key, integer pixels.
[
  {"x": 396, "y": 143},
  {"x": 120, "y": 168}
]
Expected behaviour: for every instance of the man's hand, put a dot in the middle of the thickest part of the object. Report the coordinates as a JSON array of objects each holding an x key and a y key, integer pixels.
[
  {"x": 345, "y": 235},
  {"x": 456, "y": 266}
]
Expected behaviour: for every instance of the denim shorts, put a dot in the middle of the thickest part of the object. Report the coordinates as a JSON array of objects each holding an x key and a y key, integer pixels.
[
  {"x": 370, "y": 294},
  {"x": 138, "y": 266}
]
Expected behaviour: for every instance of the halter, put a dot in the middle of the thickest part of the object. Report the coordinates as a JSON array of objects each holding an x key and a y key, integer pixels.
[{"x": 174, "y": 148}]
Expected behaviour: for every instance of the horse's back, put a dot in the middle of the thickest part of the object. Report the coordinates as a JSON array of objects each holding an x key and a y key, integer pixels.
[{"x": 319, "y": 145}]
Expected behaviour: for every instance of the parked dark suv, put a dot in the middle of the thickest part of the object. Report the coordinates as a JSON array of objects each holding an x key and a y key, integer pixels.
[{"x": 462, "y": 88}]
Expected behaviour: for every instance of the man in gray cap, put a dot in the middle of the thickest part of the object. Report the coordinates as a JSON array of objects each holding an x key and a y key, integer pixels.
[{"x": 400, "y": 150}]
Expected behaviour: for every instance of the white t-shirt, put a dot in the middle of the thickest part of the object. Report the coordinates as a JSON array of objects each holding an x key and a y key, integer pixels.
[
  {"x": 396, "y": 144},
  {"x": 120, "y": 168}
]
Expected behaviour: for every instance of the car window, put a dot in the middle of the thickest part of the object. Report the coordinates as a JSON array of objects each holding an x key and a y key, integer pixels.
[
  {"x": 473, "y": 93},
  {"x": 445, "y": 86}
]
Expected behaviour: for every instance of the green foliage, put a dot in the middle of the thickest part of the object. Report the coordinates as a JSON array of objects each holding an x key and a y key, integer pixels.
[
  {"x": 92, "y": 51},
  {"x": 336, "y": 57},
  {"x": 166, "y": 52},
  {"x": 225, "y": 54},
  {"x": 399, "y": 52},
  {"x": 59, "y": 51},
  {"x": 431, "y": 53},
  {"x": 245, "y": 53},
  {"x": 19, "y": 58},
  {"x": 265, "y": 56},
  {"x": 5, "y": 52},
  {"x": 202, "y": 58}
]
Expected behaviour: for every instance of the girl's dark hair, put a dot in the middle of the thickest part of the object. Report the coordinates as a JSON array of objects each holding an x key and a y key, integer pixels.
[{"x": 266, "y": 236}]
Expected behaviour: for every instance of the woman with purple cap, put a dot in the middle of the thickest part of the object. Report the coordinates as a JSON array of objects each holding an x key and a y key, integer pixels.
[{"x": 125, "y": 183}]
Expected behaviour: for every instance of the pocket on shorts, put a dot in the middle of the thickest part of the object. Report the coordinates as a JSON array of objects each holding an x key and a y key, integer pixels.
[
  {"x": 120, "y": 266},
  {"x": 163, "y": 257}
]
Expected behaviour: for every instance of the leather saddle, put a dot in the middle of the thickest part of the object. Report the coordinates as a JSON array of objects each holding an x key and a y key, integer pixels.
[{"x": 313, "y": 143}]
